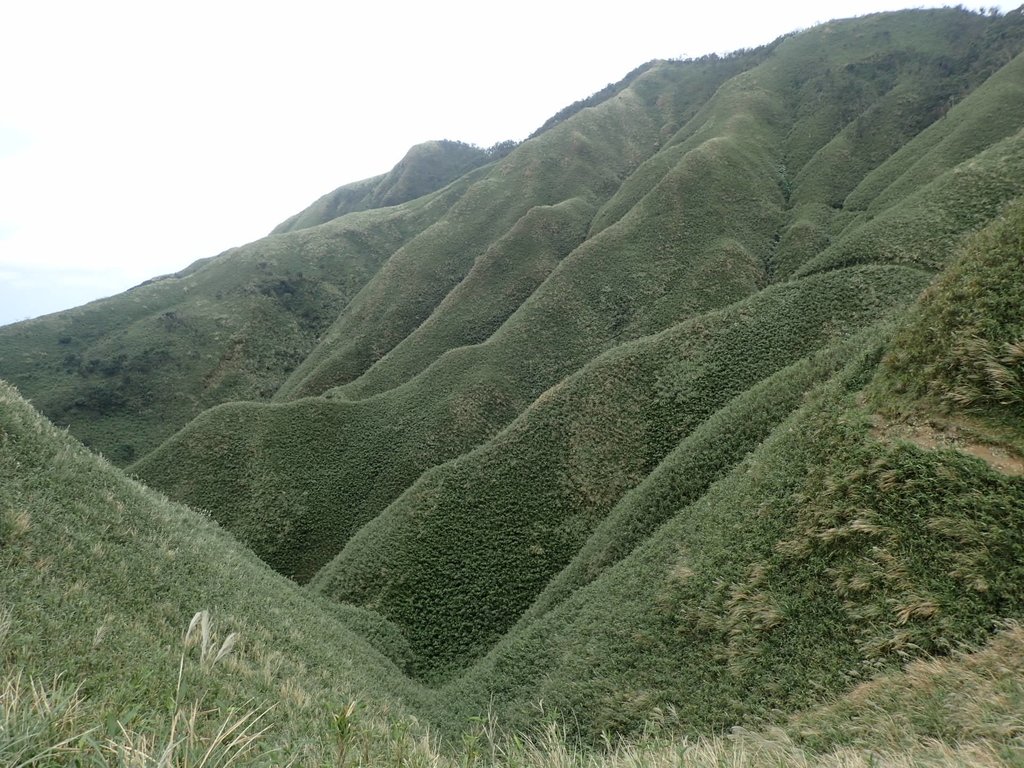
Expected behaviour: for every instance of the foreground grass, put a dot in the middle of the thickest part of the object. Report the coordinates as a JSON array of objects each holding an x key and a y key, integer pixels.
[
  {"x": 960, "y": 711},
  {"x": 99, "y": 580}
]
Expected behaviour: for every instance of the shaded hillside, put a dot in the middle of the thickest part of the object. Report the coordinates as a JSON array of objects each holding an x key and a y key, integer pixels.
[
  {"x": 94, "y": 669},
  {"x": 963, "y": 348},
  {"x": 470, "y": 545},
  {"x": 828, "y": 553},
  {"x": 628, "y": 422}
]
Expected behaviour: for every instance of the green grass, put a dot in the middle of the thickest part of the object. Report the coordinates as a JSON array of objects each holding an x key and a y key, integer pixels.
[
  {"x": 44, "y": 721},
  {"x": 102, "y": 577},
  {"x": 821, "y": 559},
  {"x": 425, "y": 168},
  {"x": 127, "y": 372},
  {"x": 586, "y": 156},
  {"x": 469, "y": 546},
  {"x": 586, "y": 447},
  {"x": 146, "y": 684},
  {"x": 963, "y": 347},
  {"x": 929, "y": 226}
]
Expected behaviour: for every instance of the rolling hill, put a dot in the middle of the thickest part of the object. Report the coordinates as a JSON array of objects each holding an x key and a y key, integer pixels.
[{"x": 701, "y": 408}]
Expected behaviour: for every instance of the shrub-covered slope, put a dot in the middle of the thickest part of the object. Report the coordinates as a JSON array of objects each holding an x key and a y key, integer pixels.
[
  {"x": 836, "y": 549},
  {"x": 813, "y": 114},
  {"x": 785, "y": 549},
  {"x": 460, "y": 400},
  {"x": 830, "y": 553},
  {"x": 632, "y": 421},
  {"x": 963, "y": 348},
  {"x": 715, "y": 219},
  {"x": 586, "y": 157},
  {"x": 465, "y": 550},
  {"x": 736, "y": 159}
]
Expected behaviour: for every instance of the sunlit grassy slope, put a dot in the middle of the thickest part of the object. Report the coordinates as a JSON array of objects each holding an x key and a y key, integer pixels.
[{"x": 666, "y": 421}]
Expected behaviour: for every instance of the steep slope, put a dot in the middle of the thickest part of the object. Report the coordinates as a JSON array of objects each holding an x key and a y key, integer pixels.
[
  {"x": 706, "y": 228},
  {"x": 425, "y": 168},
  {"x": 469, "y": 546},
  {"x": 802, "y": 570},
  {"x": 585, "y": 157},
  {"x": 962, "y": 350},
  {"x": 126, "y": 372},
  {"x": 732, "y": 159},
  {"x": 298, "y": 514},
  {"x": 103, "y": 371},
  {"x": 701, "y": 408},
  {"x": 101, "y": 577},
  {"x": 830, "y": 552}
]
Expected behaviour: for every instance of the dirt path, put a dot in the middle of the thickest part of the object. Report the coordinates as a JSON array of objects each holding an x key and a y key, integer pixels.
[{"x": 930, "y": 437}]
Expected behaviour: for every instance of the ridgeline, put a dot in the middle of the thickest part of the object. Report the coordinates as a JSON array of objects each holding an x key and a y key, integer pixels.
[{"x": 692, "y": 424}]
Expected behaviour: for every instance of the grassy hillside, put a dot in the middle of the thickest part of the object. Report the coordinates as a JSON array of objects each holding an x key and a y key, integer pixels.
[
  {"x": 101, "y": 578},
  {"x": 688, "y": 431},
  {"x": 814, "y": 113},
  {"x": 836, "y": 549},
  {"x": 709, "y": 227},
  {"x": 84, "y": 549},
  {"x": 468, "y": 547},
  {"x": 425, "y": 168},
  {"x": 792, "y": 578},
  {"x": 963, "y": 348},
  {"x": 466, "y": 395},
  {"x": 585, "y": 157},
  {"x": 126, "y": 372}
]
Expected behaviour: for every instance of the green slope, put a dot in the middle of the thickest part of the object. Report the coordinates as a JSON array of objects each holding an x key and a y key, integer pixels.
[
  {"x": 298, "y": 513},
  {"x": 836, "y": 549},
  {"x": 585, "y": 157},
  {"x": 101, "y": 577},
  {"x": 468, "y": 547},
  {"x": 711, "y": 226},
  {"x": 792, "y": 578},
  {"x": 727, "y": 163},
  {"x": 425, "y": 168},
  {"x": 826, "y": 555},
  {"x": 632, "y": 420},
  {"x": 126, "y": 372},
  {"x": 962, "y": 350}
]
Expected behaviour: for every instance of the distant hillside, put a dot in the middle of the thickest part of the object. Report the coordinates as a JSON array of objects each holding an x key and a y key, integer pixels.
[
  {"x": 424, "y": 169},
  {"x": 701, "y": 408}
]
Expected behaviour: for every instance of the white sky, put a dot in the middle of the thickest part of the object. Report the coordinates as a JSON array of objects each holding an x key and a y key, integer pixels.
[{"x": 136, "y": 137}]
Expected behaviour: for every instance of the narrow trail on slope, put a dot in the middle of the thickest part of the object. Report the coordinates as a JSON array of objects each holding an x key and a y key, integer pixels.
[{"x": 933, "y": 435}]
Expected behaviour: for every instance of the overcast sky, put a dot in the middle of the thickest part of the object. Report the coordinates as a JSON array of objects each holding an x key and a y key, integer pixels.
[{"x": 137, "y": 137}]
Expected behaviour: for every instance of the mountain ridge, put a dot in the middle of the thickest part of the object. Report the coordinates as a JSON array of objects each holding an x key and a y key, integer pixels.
[{"x": 608, "y": 419}]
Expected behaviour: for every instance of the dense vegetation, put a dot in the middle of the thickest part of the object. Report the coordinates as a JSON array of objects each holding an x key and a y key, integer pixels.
[{"x": 691, "y": 428}]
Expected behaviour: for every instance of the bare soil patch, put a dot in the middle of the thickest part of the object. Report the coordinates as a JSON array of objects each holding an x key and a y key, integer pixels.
[{"x": 931, "y": 435}]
